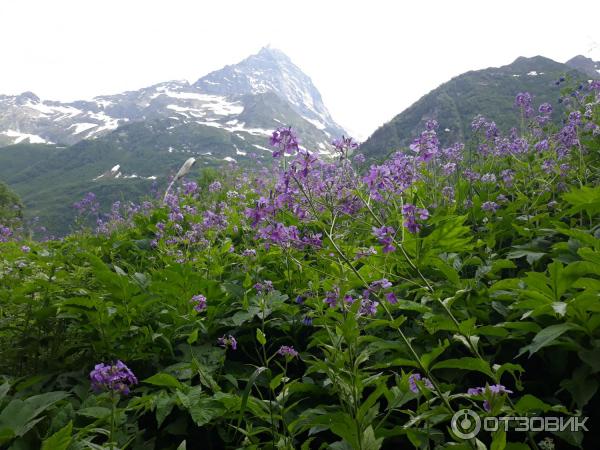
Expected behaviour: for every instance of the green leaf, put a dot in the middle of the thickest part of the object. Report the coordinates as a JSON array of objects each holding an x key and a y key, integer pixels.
[
  {"x": 6, "y": 435},
  {"x": 466, "y": 363},
  {"x": 59, "y": 440},
  {"x": 529, "y": 403},
  {"x": 205, "y": 411},
  {"x": 260, "y": 337},
  {"x": 275, "y": 381},
  {"x": 193, "y": 337},
  {"x": 368, "y": 440},
  {"x": 428, "y": 358},
  {"x": 164, "y": 406},
  {"x": 247, "y": 390},
  {"x": 4, "y": 388},
  {"x": 546, "y": 337},
  {"x": 531, "y": 256},
  {"x": 96, "y": 412},
  {"x": 165, "y": 380},
  {"x": 498, "y": 440},
  {"x": 584, "y": 198}
]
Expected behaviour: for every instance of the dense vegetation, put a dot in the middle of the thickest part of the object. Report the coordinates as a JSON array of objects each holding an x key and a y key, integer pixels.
[
  {"x": 321, "y": 304},
  {"x": 488, "y": 92}
]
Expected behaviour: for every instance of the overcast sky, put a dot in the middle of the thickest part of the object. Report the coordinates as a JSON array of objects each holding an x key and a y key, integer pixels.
[{"x": 369, "y": 59}]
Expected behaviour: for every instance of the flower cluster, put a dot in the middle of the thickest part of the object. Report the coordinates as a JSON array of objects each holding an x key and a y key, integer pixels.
[
  {"x": 5, "y": 233},
  {"x": 412, "y": 382},
  {"x": 490, "y": 392},
  {"x": 285, "y": 140},
  {"x": 227, "y": 341},
  {"x": 426, "y": 146},
  {"x": 524, "y": 100},
  {"x": 385, "y": 235},
  {"x": 116, "y": 377},
  {"x": 265, "y": 287},
  {"x": 199, "y": 302},
  {"x": 87, "y": 204},
  {"x": 411, "y": 213},
  {"x": 287, "y": 351}
]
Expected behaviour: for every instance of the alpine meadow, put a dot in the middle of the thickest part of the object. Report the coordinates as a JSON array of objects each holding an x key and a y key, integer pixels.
[{"x": 218, "y": 265}]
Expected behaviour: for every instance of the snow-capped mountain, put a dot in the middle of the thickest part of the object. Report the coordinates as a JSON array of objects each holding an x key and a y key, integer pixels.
[
  {"x": 224, "y": 99},
  {"x": 270, "y": 70}
]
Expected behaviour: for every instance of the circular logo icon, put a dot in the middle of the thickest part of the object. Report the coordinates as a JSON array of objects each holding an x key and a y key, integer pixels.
[{"x": 465, "y": 424}]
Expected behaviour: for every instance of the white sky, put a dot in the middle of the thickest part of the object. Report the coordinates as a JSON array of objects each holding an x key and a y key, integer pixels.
[{"x": 369, "y": 59}]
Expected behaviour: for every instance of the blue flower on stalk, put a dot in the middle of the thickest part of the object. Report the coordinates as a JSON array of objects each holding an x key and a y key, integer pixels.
[
  {"x": 308, "y": 321},
  {"x": 412, "y": 382},
  {"x": 491, "y": 391},
  {"x": 114, "y": 378},
  {"x": 285, "y": 140},
  {"x": 380, "y": 284},
  {"x": 227, "y": 341},
  {"x": 331, "y": 297},
  {"x": 287, "y": 351},
  {"x": 385, "y": 235},
  {"x": 368, "y": 307},
  {"x": 391, "y": 298},
  {"x": 200, "y": 302}
]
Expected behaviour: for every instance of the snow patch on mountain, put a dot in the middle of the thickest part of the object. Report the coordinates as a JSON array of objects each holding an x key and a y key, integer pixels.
[{"x": 23, "y": 137}]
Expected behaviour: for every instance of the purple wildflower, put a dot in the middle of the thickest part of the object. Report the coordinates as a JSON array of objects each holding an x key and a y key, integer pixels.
[
  {"x": 411, "y": 213},
  {"x": 412, "y": 382},
  {"x": 287, "y": 351},
  {"x": 215, "y": 186},
  {"x": 190, "y": 187},
  {"x": 391, "y": 298},
  {"x": 344, "y": 145},
  {"x": 331, "y": 297},
  {"x": 385, "y": 237},
  {"x": 285, "y": 140},
  {"x": 488, "y": 178},
  {"x": 380, "y": 284},
  {"x": 490, "y": 206},
  {"x": 25, "y": 249},
  {"x": 227, "y": 341},
  {"x": 116, "y": 378},
  {"x": 308, "y": 321},
  {"x": 524, "y": 100},
  {"x": 200, "y": 302},
  {"x": 368, "y": 307},
  {"x": 265, "y": 287},
  {"x": 490, "y": 392},
  {"x": 426, "y": 146}
]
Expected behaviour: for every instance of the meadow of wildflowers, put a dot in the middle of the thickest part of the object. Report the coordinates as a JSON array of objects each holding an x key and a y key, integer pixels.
[{"x": 321, "y": 303}]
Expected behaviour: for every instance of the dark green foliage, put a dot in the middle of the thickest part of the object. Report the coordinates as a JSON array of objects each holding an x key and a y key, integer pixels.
[{"x": 489, "y": 92}]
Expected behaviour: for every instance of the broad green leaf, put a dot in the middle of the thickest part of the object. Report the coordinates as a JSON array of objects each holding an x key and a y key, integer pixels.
[
  {"x": 547, "y": 337},
  {"x": 466, "y": 363},
  {"x": 59, "y": 440},
  {"x": 165, "y": 380},
  {"x": 97, "y": 412}
]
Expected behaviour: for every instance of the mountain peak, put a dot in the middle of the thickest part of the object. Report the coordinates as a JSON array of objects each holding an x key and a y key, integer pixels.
[
  {"x": 28, "y": 96},
  {"x": 272, "y": 53},
  {"x": 585, "y": 65},
  {"x": 271, "y": 70},
  {"x": 537, "y": 63}
]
